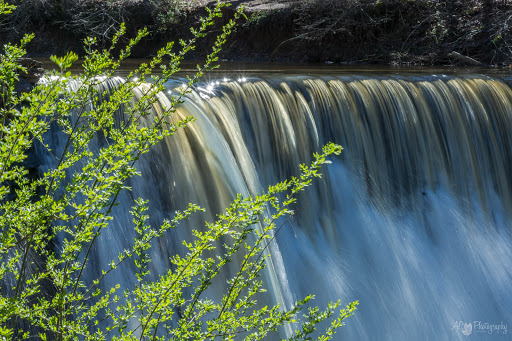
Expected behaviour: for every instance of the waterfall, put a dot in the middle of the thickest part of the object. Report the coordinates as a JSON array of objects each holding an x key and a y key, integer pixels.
[{"x": 413, "y": 220}]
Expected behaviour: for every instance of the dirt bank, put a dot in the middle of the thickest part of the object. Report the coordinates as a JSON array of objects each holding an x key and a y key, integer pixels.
[{"x": 425, "y": 32}]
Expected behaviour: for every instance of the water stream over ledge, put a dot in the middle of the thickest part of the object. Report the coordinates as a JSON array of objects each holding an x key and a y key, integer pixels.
[{"x": 413, "y": 220}]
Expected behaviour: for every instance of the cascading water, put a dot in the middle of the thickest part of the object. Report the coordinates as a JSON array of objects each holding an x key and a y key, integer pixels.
[{"x": 412, "y": 220}]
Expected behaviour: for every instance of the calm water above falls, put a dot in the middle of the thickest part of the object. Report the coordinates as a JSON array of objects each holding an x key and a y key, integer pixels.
[{"x": 413, "y": 220}]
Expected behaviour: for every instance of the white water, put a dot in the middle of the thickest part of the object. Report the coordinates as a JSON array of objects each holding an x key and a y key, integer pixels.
[{"x": 413, "y": 220}]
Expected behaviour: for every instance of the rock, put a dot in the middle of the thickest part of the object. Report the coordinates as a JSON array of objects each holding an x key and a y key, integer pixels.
[{"x": 34, "y": 70}]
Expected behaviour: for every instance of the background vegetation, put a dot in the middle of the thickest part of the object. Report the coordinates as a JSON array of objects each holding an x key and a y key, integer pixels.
[
  {"x": 63, "y": 24},
  {"x": 385, "y": 31},
  {"x": 348, "y": 31}
]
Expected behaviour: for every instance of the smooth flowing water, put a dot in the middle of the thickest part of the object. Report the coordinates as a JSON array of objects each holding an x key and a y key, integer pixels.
[{"x": 413, "y": 220}]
